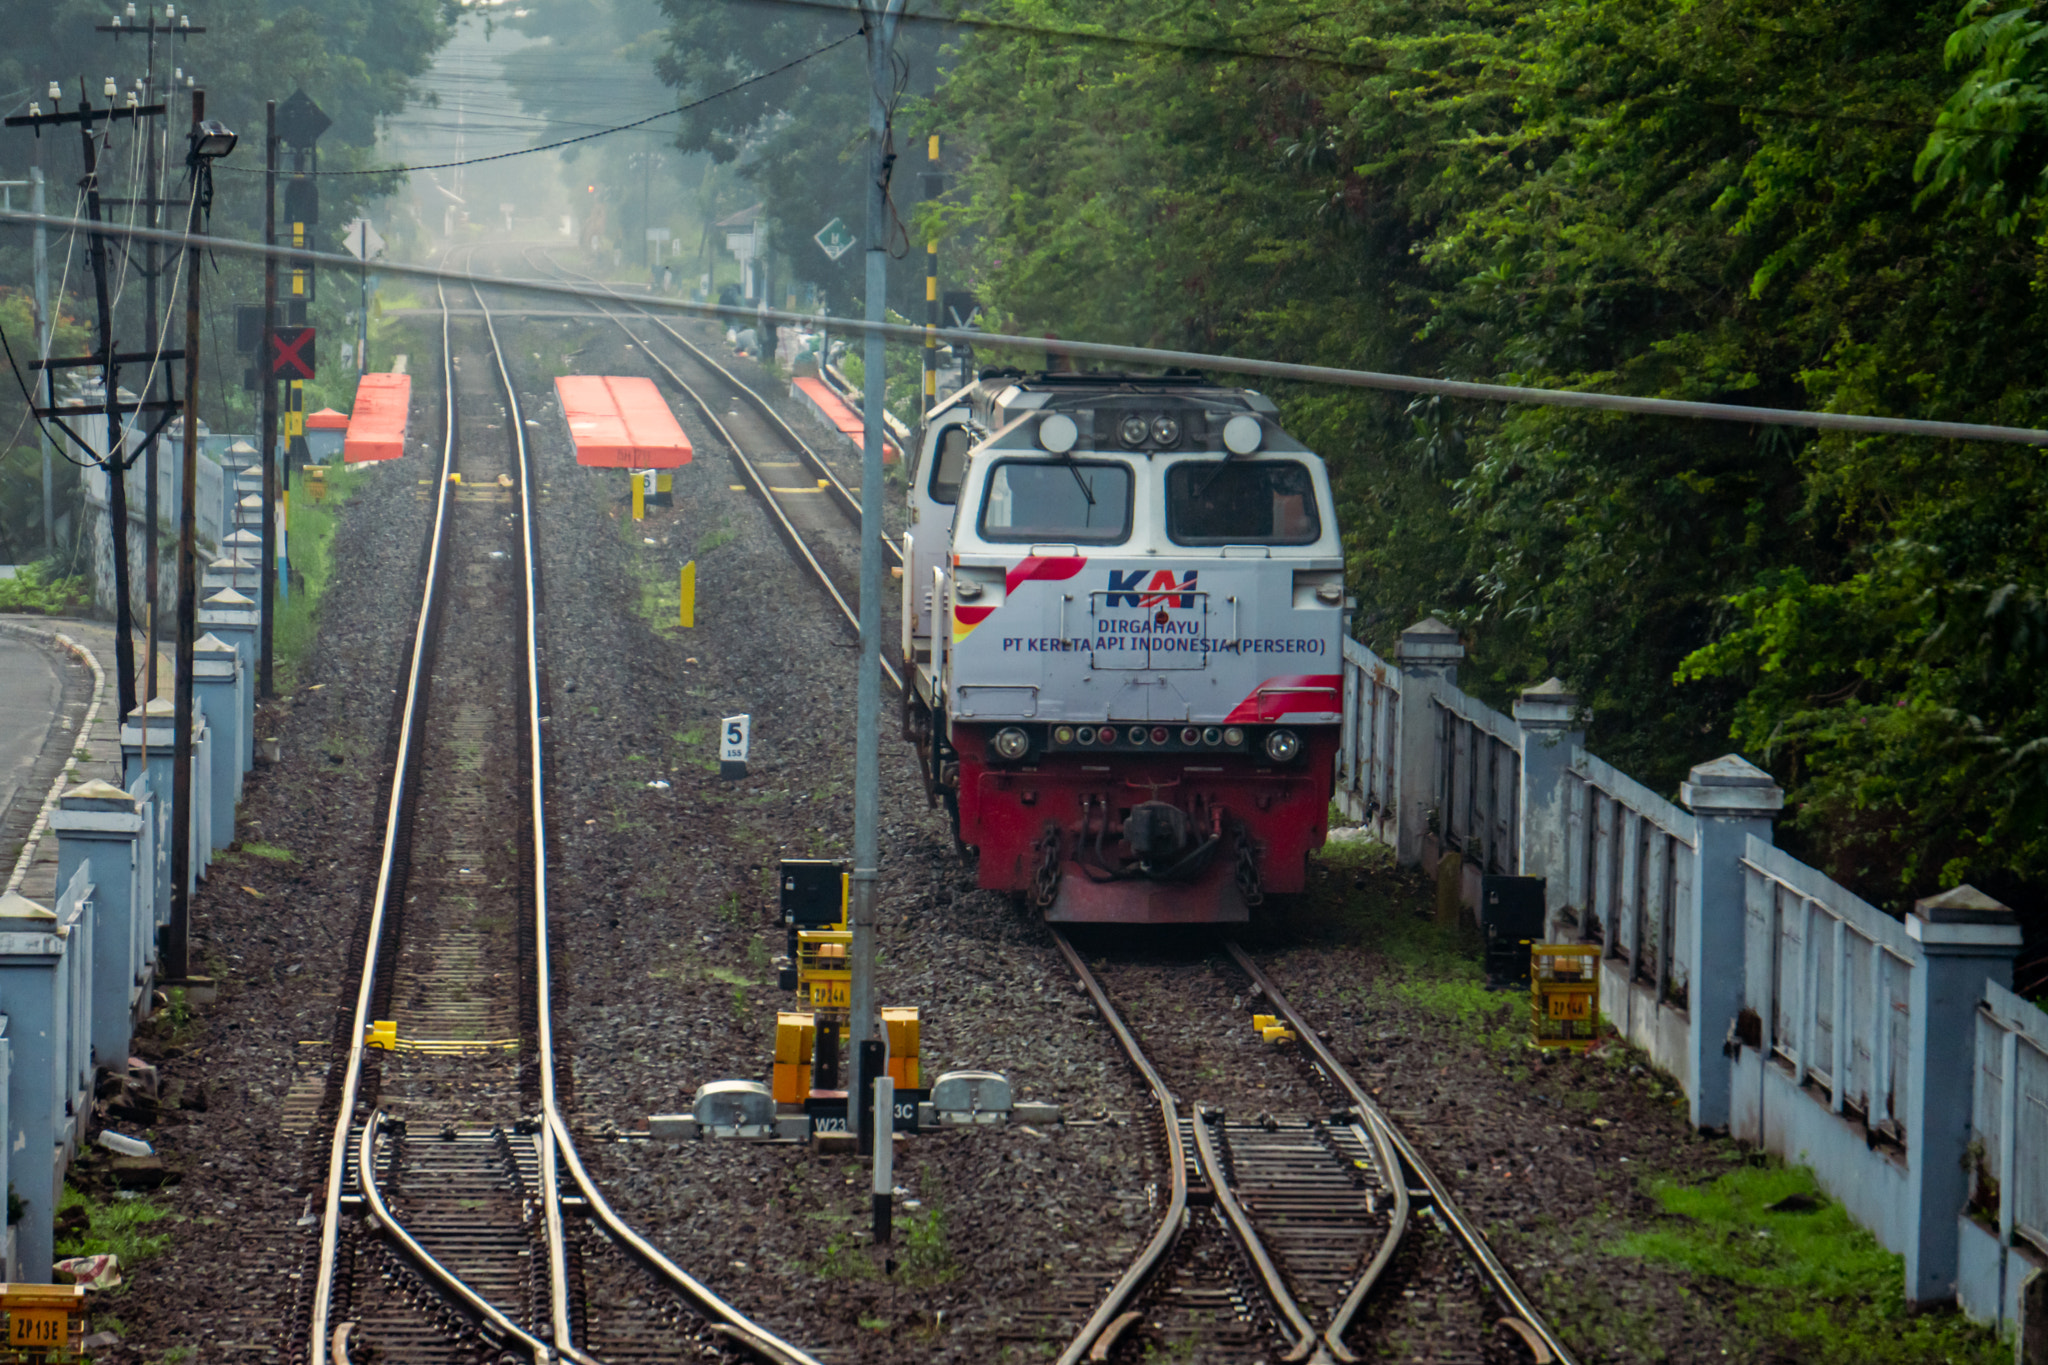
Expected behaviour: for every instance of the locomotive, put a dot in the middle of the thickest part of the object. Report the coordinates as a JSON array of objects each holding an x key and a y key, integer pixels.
[{"x": 1123, "y": 610}]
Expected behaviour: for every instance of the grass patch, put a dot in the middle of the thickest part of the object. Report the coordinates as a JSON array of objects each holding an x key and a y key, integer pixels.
[
  {"x": 39, "y": 590},
  {"x": 1818, "y": 1288},
  {"x": 276, "y": 853},
  {"x": 120, "y": 1228},
  {"x": 717, "y": 540},
  {"x": 310, "y": 533},
  {"x": 1434, "y": 968}
]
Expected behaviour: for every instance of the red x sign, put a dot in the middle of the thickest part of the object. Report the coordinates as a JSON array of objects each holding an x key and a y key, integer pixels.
[{"x": 291, "y": 353}]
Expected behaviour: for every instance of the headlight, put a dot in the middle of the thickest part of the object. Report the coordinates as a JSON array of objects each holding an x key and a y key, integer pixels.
[
  {"x": 1132, "y": 431},
  {"x": 1012, "y": 743},
  {"x": 966, "y": 589},
  {"x": 1281, "y": 746},
  {"x": 1233, "y": 737},
  {"x": 1063, "y": 735},
  {"x": 1330, "y": 594},
  {"x": 1165, "y": 431}
]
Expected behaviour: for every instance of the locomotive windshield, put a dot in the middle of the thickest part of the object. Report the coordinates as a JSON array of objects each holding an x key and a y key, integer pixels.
[
  {"x": 1067, "y": 501},
  {"x": 1264, "y": 502}
]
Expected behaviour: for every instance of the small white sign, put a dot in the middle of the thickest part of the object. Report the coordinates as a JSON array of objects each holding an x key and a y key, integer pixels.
[
  {"x": 658, "y": 234},
  {"x": 835, "y": 239},
  {"x": 361, "y": 240},
  {"x": 732, "y": 746}
]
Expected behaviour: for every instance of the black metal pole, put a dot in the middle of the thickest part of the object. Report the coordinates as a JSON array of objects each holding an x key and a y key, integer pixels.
[
  {"x": 151, "y": 263},
  {"x": 265, "y": 685},
  {"x": 176, "y": 957},
  {"x": 112, "y": 459}
]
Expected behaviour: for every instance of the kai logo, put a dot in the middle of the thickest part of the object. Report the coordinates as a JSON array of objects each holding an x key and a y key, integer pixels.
[{"x": 1162, "y": 589}]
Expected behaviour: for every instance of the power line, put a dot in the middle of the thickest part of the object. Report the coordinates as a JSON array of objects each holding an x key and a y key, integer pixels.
[
  {"x": 569, "y": 141},
  {"x": 1127, "y": 355}
]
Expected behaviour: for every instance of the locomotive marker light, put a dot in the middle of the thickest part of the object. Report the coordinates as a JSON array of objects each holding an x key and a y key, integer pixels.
[
  {"x": 733, "y": 737},
  {"x": 1058, "y": 433},
  {"x": 1282, "y": 746},
  {"x": 1243, "y": 434}
]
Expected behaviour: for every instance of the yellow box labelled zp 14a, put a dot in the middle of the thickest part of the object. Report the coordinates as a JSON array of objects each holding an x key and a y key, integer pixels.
[
  {"x": 900, "y": 1025},
  {"x": 1564, "y": 994},
  {"x": 796, "y": 1035}
]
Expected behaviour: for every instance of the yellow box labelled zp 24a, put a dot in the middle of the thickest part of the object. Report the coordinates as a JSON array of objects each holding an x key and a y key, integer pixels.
[
  {"x": 795, "y": 1035},
  {"x": 823, "y": 975}
]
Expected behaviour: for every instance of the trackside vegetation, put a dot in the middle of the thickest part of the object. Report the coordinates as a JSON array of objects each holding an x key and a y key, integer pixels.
[{"x": 1797, "y": 203}]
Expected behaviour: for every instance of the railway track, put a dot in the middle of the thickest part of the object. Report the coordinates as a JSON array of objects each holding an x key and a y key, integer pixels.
[
  {"x": 458, "y": 1222},
  {"x": 1279, "y": 1224},
  {"x": 812, "y": 507}
]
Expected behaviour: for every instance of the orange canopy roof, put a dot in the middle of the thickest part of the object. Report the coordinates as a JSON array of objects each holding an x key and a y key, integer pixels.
[
  {"x": 376, "y": 431},
  {"x": 621, "y": 422},
  {"x": 327, "y": 419}
]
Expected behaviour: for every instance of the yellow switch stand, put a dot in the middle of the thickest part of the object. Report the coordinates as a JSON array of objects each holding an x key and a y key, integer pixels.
[{"x": 687, "y": 608}]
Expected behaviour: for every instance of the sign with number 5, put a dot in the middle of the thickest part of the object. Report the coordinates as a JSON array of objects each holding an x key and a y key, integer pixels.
[{"x": 732, "y": 746}]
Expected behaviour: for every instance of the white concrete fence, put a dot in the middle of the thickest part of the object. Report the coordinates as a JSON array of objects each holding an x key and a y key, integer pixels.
[{"x": 1888, "y": 1054}]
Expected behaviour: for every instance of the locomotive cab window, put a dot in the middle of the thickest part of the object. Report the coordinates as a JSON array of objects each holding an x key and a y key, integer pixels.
[
  {"x": 1261, "y": 502},
  {"x": 949, "y": 464},
  {"x": 1074, "y": 501}
]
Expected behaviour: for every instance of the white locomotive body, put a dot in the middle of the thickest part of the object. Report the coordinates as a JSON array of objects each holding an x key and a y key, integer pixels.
[{"x": 1123, "y": 613}]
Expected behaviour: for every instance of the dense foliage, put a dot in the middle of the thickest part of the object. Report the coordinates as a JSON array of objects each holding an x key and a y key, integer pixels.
[
  {"x": 358, "y": 61},
  {"x": 1707, "y": 201}
]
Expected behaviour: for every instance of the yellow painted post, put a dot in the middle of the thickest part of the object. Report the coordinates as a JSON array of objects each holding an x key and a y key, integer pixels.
[
  {"x": 687, "y": 608},
  {"x": 639, "y": 496}
]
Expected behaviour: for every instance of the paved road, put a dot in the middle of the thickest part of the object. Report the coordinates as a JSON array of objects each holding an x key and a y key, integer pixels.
[{"x": 31, "y": 707}]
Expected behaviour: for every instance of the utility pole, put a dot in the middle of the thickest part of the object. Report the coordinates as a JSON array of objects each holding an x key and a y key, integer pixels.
[
  {"x": 45, "y": 328},
  {"x": 150, "y": 202},
  {"x": 933, "y": 187},
  {"x": 114, "y": 458},
  {"x": 862, "y": 1025},
  {"x": 208, "y": 141},
  {"x": 268, "y": 439}
]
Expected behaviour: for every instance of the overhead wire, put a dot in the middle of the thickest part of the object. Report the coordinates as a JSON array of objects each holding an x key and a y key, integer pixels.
[
  {"x": 1289, "y": 371},
  {"x": 755, "y": 79}
]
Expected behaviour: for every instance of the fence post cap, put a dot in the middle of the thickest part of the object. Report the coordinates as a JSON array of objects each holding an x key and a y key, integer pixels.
[
  {"x": 1964, "y": 904},
  {"x": 1731, "y": 785},
  {"x": 156, "y": 708},
  {"x": 210, "y": 643},
  {"x": 14, "y": 905},
  {"x": 1430, "y": 640},
  {"x": 229, "y": 598},
  {"x": 95, "y": 790},
  {"x": 1548, "y": 705}
]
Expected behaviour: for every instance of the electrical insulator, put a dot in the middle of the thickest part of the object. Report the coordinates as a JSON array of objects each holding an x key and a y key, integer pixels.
[
  {"x": 56, "y": 92},
  {"x": 109, "y": 89}
]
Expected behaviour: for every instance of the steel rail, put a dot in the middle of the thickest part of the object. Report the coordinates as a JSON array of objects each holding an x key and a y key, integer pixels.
[
  {"x": 1164, "y": 1238},
  {"x": 556, "y": 1140},
  {"x": 793, "y": 537},
  {"x": 1135, "y": 355},
  {"x": 1301, "y": 1333},
  {"x": 396, "y": 813},
  {"x": 1497, "y": 1274},
  {"x": 551, "y": 1195},
  {"x": 841, "y": 494},
  {"x": 500, "y": 1325}
]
